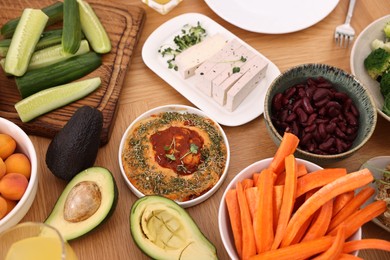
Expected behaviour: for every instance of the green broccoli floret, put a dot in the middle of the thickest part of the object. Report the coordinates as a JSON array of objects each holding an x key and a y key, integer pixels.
[
  {"x": 377, "y": 62},
  {"x": 386, "y": 29},
  {"x": 385, "y": 83},
  {"x": 386, "y": 105}
]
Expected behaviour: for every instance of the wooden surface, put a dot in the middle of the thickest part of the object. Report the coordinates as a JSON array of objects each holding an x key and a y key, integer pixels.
[
  {"x": 124, "y": 25},
  {"x": 144, "y": 90}
]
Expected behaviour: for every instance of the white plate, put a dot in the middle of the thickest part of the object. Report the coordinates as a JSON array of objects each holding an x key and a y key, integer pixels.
[
  {"x": 375, "y": 165},
  {"x": 249, "y": 109},
  {"x": 272, "y": 17},
  {"x": 360, "y": 50}
]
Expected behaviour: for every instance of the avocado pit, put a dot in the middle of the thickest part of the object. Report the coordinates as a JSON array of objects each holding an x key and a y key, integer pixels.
[{"x": 82, "y": 201}]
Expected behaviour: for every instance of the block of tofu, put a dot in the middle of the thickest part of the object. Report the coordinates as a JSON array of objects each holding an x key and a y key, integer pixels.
[
  {"x": 190, "y": 59},
  {"x": 241, "y": 89},
  {"x": 227, "y": 63},
  {"x": 227, "y": 79}
]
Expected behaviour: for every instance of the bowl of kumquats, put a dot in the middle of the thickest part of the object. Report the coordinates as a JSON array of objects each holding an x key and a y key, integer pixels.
[
  {"x": 18, "y": 174},
  {"x": 289, "y": 208}
]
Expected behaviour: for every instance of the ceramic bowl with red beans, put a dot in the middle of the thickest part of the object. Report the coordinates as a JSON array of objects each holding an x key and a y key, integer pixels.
[{"x": 329, "y": 110}]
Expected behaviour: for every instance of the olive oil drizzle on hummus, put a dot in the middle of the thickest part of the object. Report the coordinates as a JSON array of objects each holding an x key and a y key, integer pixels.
[{"x": 150, "y": 178}]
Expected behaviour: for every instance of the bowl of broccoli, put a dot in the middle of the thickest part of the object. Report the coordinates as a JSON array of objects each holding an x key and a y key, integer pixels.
[{"x": 370, "y": 62}]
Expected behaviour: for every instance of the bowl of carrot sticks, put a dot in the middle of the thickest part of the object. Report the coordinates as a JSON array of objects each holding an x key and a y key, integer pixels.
[{"x": 289, "y": 208}]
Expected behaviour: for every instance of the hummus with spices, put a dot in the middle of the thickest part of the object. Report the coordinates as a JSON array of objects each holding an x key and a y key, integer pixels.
[{"x": 177, "y": 155}]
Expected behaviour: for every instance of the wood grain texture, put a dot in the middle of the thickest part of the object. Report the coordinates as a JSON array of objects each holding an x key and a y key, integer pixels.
[{"x": 123, "y": 24}]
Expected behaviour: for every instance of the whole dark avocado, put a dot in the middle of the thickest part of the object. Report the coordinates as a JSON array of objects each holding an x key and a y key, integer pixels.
[{"x": 75, "y": 147}]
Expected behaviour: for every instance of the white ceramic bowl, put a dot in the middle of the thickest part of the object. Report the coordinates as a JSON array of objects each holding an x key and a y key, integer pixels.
[
  {"x": 24, "y": 145},
  {"x": 223, "y": 216},
  {"x": 181, "y": 109},
  {"x": 360, "y": 50}
]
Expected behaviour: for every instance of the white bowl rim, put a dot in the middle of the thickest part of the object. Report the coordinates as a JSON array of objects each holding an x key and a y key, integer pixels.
[
  {"x": 31, "y": 190},
  {"x": 183, "y": 108},
  {"x": 222, "y": 211}
]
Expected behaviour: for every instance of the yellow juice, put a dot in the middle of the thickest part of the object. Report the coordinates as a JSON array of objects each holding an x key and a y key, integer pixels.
[{"x": 39, "y": 248}]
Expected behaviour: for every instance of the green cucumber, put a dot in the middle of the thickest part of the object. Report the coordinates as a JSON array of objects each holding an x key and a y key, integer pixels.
[
  {"x": 93, "y": 29},
  {"x": 23, "y": 42},
  {"x": 58, "y": 73},
  {"x": 52, "y": 98},
  {"x": 54, "y": 12},
  {"x": 71, "y": 35},
  {"x": 54, "y": 54},
  {"x": 48, "y": 38}
]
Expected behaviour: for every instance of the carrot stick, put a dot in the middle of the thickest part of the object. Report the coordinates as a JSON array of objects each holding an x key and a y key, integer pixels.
[
  {"x": 287, "y": 146},
  {"x": 349, "y": 257},
  {"x": 262, "y": 222},
  {"x": 281, "y": 178},
  {"x": 320, "y": 222},
  {"x": 299, "y": 251},
  {"x": 341, "y": 200},
  {"x": 235, "y": 218},
  {"x": 255, "y": 178},
  {"x": 368, "y": 243},
  {"x": 318, "y": 179},
  {"x": 248, "y": 238},
  {"x": 288, "y": 200},
  {"x": 277, "y": 203},
  {"x": 343, "y": 184},
  {"x": 302, "y": 170},
  {"x": 336, "y": 249},
  {"x": 352, "y": 206},
  {"x": 360, "y": 217},
  {"x": 251, "y": 197},
  {"x": 247, "y": 183}
]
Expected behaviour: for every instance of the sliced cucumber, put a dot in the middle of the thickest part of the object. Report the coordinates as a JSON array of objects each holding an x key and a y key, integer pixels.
[
  {"x": 26, "y": 36},
  {"x": 54, "y": 54},
  {"x": 71, "y": 35},
  {"x": 52, "y": 98},
  {"x": 93, "y": 29},
  {"x": 54, "y": 12}
]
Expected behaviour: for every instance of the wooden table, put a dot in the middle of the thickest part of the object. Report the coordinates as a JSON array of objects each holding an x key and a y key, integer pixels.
[{"x": 144, "y": 90}]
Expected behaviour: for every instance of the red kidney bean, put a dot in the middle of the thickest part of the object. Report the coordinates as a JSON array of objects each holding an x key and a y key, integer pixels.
[
  {"x": 320, "y": 94},
  {"x": 277, "y": 102},
  {"x": 301, "y": 115},
  {"x": 316, "y": 112}
]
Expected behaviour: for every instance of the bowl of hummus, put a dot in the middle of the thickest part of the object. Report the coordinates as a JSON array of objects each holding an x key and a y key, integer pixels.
[{"x": 175, "y": 151}]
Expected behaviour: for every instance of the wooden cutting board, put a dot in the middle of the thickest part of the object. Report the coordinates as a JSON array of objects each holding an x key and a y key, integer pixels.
[{"x": 124, "y": 25}]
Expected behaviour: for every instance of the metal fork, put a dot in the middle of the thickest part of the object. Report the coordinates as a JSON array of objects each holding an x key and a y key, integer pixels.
[{"x": 344, "y": 33}]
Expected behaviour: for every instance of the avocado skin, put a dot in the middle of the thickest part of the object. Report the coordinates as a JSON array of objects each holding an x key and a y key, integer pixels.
[{"x": 75, "y": 147}]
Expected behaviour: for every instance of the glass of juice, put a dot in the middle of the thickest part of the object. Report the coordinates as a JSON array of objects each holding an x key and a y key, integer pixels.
[
  {"x": 34, "y": 241},
  {"x": 162, "y": 6}
]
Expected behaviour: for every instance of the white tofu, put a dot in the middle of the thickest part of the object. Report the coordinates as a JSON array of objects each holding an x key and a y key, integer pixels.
[
  {"x": 190, "y": 59},
  {"x": 226, "y": 64},
  {"x": 241, "y": 89},
  {"x": 223, "y": 82}
]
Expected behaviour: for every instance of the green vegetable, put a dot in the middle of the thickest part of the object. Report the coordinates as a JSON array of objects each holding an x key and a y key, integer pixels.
[
  {"x": 190, "y": 35},
  {"x": 86, "y": 203},
  {"x": 71, "y": 35},
  {"x": 386, "y": 29},
  {"x": 54, "y": 12},
  {"x": 385, "y": 83},
  {"x": 377, "y": 62},
  {"x": 54, "y": 54},
  {"x": 164, "y": 230},
  {"x": 49, "y": 99},
  {"x": 93, "y": 28},
  {"x": 386, "y": 105},
  {"x": 58, "y": 73},
  {"x": 26, "y": 36},
  {"x": 48, "y": 38}
]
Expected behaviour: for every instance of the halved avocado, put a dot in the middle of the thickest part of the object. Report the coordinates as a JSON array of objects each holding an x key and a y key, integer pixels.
[
  {"x": 164, "y": 230},
  {"x": 86, "y": 202}
]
